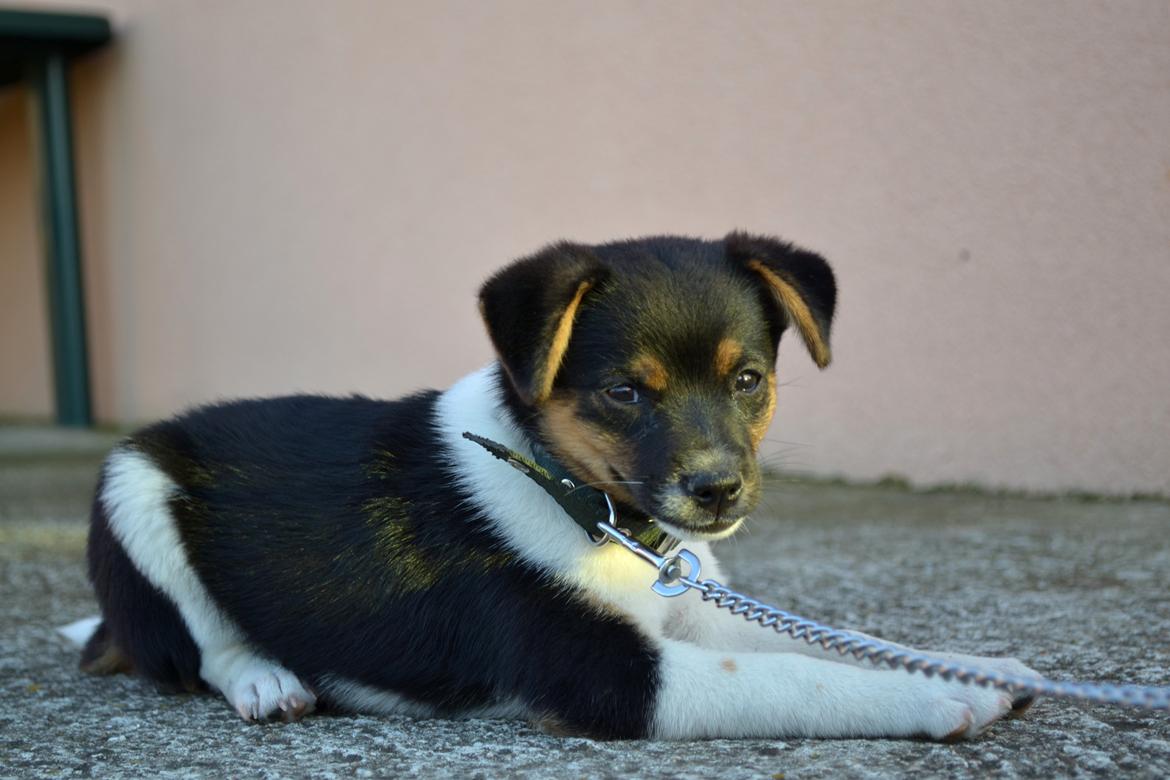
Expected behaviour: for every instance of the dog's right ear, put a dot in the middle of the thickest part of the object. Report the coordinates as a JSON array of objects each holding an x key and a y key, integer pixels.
[{"x": 529, "y": 308}]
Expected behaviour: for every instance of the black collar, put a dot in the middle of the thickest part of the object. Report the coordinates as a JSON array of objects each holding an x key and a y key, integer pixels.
[{"x": 585, "y": 505}]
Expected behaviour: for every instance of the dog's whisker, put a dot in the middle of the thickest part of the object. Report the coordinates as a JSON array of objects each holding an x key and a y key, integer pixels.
[
  {"x": 784, "y": 453},
  {"x": 782, "y": 461},
  {"x": 770, "y": 440},
  {"x": 606, "y": 482}
]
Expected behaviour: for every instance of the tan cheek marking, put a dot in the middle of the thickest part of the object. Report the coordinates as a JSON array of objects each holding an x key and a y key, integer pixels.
[
  {"x": 760, "y": 429},
  {"x": 798, "y": 311},
  {"x": 728, "y": 665},
  {"x": 559, "y": 343},
  {"x": 649, "y": 370},
  {"x": 727, "y": 356},
  {"x": 585, "y": 449}
]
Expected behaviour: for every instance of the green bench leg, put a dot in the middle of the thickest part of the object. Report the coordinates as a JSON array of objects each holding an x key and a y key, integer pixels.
[{"x": 50, "y": 80}]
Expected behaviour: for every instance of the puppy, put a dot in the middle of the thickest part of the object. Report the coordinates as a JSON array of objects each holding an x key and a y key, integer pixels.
[{"x": 299, "y": 552}]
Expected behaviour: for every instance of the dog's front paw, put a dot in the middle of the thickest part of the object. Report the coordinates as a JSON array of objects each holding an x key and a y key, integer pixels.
[
  {"x": 1009, "y": 666},
  {"x": 262, "y": 689},
  {"x": 954, "y": 712}
]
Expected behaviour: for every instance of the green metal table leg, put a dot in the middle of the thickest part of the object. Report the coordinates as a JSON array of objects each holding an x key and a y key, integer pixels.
[{"x": 50, "y": 79}]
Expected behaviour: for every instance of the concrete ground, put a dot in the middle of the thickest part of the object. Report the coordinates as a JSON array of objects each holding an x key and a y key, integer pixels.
[{"x": 1077, "y": 589}]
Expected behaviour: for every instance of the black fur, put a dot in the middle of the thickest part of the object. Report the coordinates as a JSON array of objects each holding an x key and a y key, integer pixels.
[{"x": 329, "y": 530}]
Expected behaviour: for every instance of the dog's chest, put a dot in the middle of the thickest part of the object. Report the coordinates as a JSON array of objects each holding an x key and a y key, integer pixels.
[{"x": 616, "y": 580}]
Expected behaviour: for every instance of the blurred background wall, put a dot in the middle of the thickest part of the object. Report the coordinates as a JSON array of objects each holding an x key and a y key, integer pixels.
[{"x": 292, "y": 195}]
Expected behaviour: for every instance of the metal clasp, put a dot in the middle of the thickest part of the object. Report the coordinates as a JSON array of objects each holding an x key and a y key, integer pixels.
[
  {"x": 602, "y": 538},
  {"x": 673, "y": 578},
  {"x": 671, "y": 574}
]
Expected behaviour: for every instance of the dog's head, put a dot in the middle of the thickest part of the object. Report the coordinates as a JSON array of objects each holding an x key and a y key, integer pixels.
[{"x": 648, "y": 367}]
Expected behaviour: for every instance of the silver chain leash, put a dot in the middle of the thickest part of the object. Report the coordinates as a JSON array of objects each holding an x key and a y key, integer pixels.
[{"x": 680, "y": 571}]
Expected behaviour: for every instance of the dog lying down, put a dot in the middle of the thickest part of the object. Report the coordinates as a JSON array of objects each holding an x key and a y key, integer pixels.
[{"x": 306, "y": 552}]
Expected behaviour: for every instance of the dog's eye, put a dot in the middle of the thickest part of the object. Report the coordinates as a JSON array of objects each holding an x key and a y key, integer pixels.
[
  {"x": 748, "y": 381},
  {"x": 623, "y": 394}
]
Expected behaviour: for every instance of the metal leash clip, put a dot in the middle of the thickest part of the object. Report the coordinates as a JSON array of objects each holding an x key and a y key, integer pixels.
[{"x": 671, "y": 572}]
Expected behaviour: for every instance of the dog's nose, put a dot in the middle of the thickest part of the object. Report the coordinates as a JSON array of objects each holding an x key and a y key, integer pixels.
[{"x": 714, "y": 491}]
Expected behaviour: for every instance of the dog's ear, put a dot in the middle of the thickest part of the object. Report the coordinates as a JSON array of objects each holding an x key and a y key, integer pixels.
[
  {"x": 799, "y": 283},
  {"x": 529, "y": 308}
]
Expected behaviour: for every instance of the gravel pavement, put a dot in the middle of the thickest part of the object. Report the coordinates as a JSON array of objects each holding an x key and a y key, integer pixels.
[{"x": 1076, "y": 588}]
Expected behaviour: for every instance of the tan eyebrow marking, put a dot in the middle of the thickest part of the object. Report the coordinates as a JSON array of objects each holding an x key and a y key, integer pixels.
[
  {"x": 727, "y": 355},
  {"x": 650, "y": 371}
]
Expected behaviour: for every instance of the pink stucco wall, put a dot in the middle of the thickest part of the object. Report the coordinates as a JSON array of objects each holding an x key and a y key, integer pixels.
[
  {"x": 304, "y": 196},
  {"x": 25, "y": 378}
]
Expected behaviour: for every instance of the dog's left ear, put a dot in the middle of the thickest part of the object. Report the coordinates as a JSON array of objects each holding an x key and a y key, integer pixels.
[
  {"x": 529, "y": 308},
  {"x": 800, "y": 284}
]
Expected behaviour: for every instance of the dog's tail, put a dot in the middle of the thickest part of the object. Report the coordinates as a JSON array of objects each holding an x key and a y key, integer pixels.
[
  {"x": 79, "y": 632},
  {"x": 99, "y": 654}
]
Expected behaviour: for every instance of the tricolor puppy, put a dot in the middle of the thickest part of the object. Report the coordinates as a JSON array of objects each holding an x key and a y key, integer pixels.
[{"x": 305, "y": 551}]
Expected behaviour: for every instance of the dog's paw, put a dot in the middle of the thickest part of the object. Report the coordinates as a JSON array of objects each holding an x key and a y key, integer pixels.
[
  {"x": 262, "y": 690},
  {"x": 1009, "y": 666},
  {"x": 954, "y": 712}
]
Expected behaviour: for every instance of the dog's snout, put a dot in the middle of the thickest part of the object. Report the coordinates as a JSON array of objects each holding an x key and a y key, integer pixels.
[{"x": 714, "y": 491}]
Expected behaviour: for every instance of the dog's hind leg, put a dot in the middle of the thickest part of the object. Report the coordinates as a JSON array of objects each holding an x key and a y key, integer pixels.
[
  {"x": 140, "y": 630},
  {"x": 134, "y": 499}
]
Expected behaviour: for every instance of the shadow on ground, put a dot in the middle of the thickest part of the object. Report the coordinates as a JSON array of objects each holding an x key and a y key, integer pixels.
[{"x": 1077, "y": 590}]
